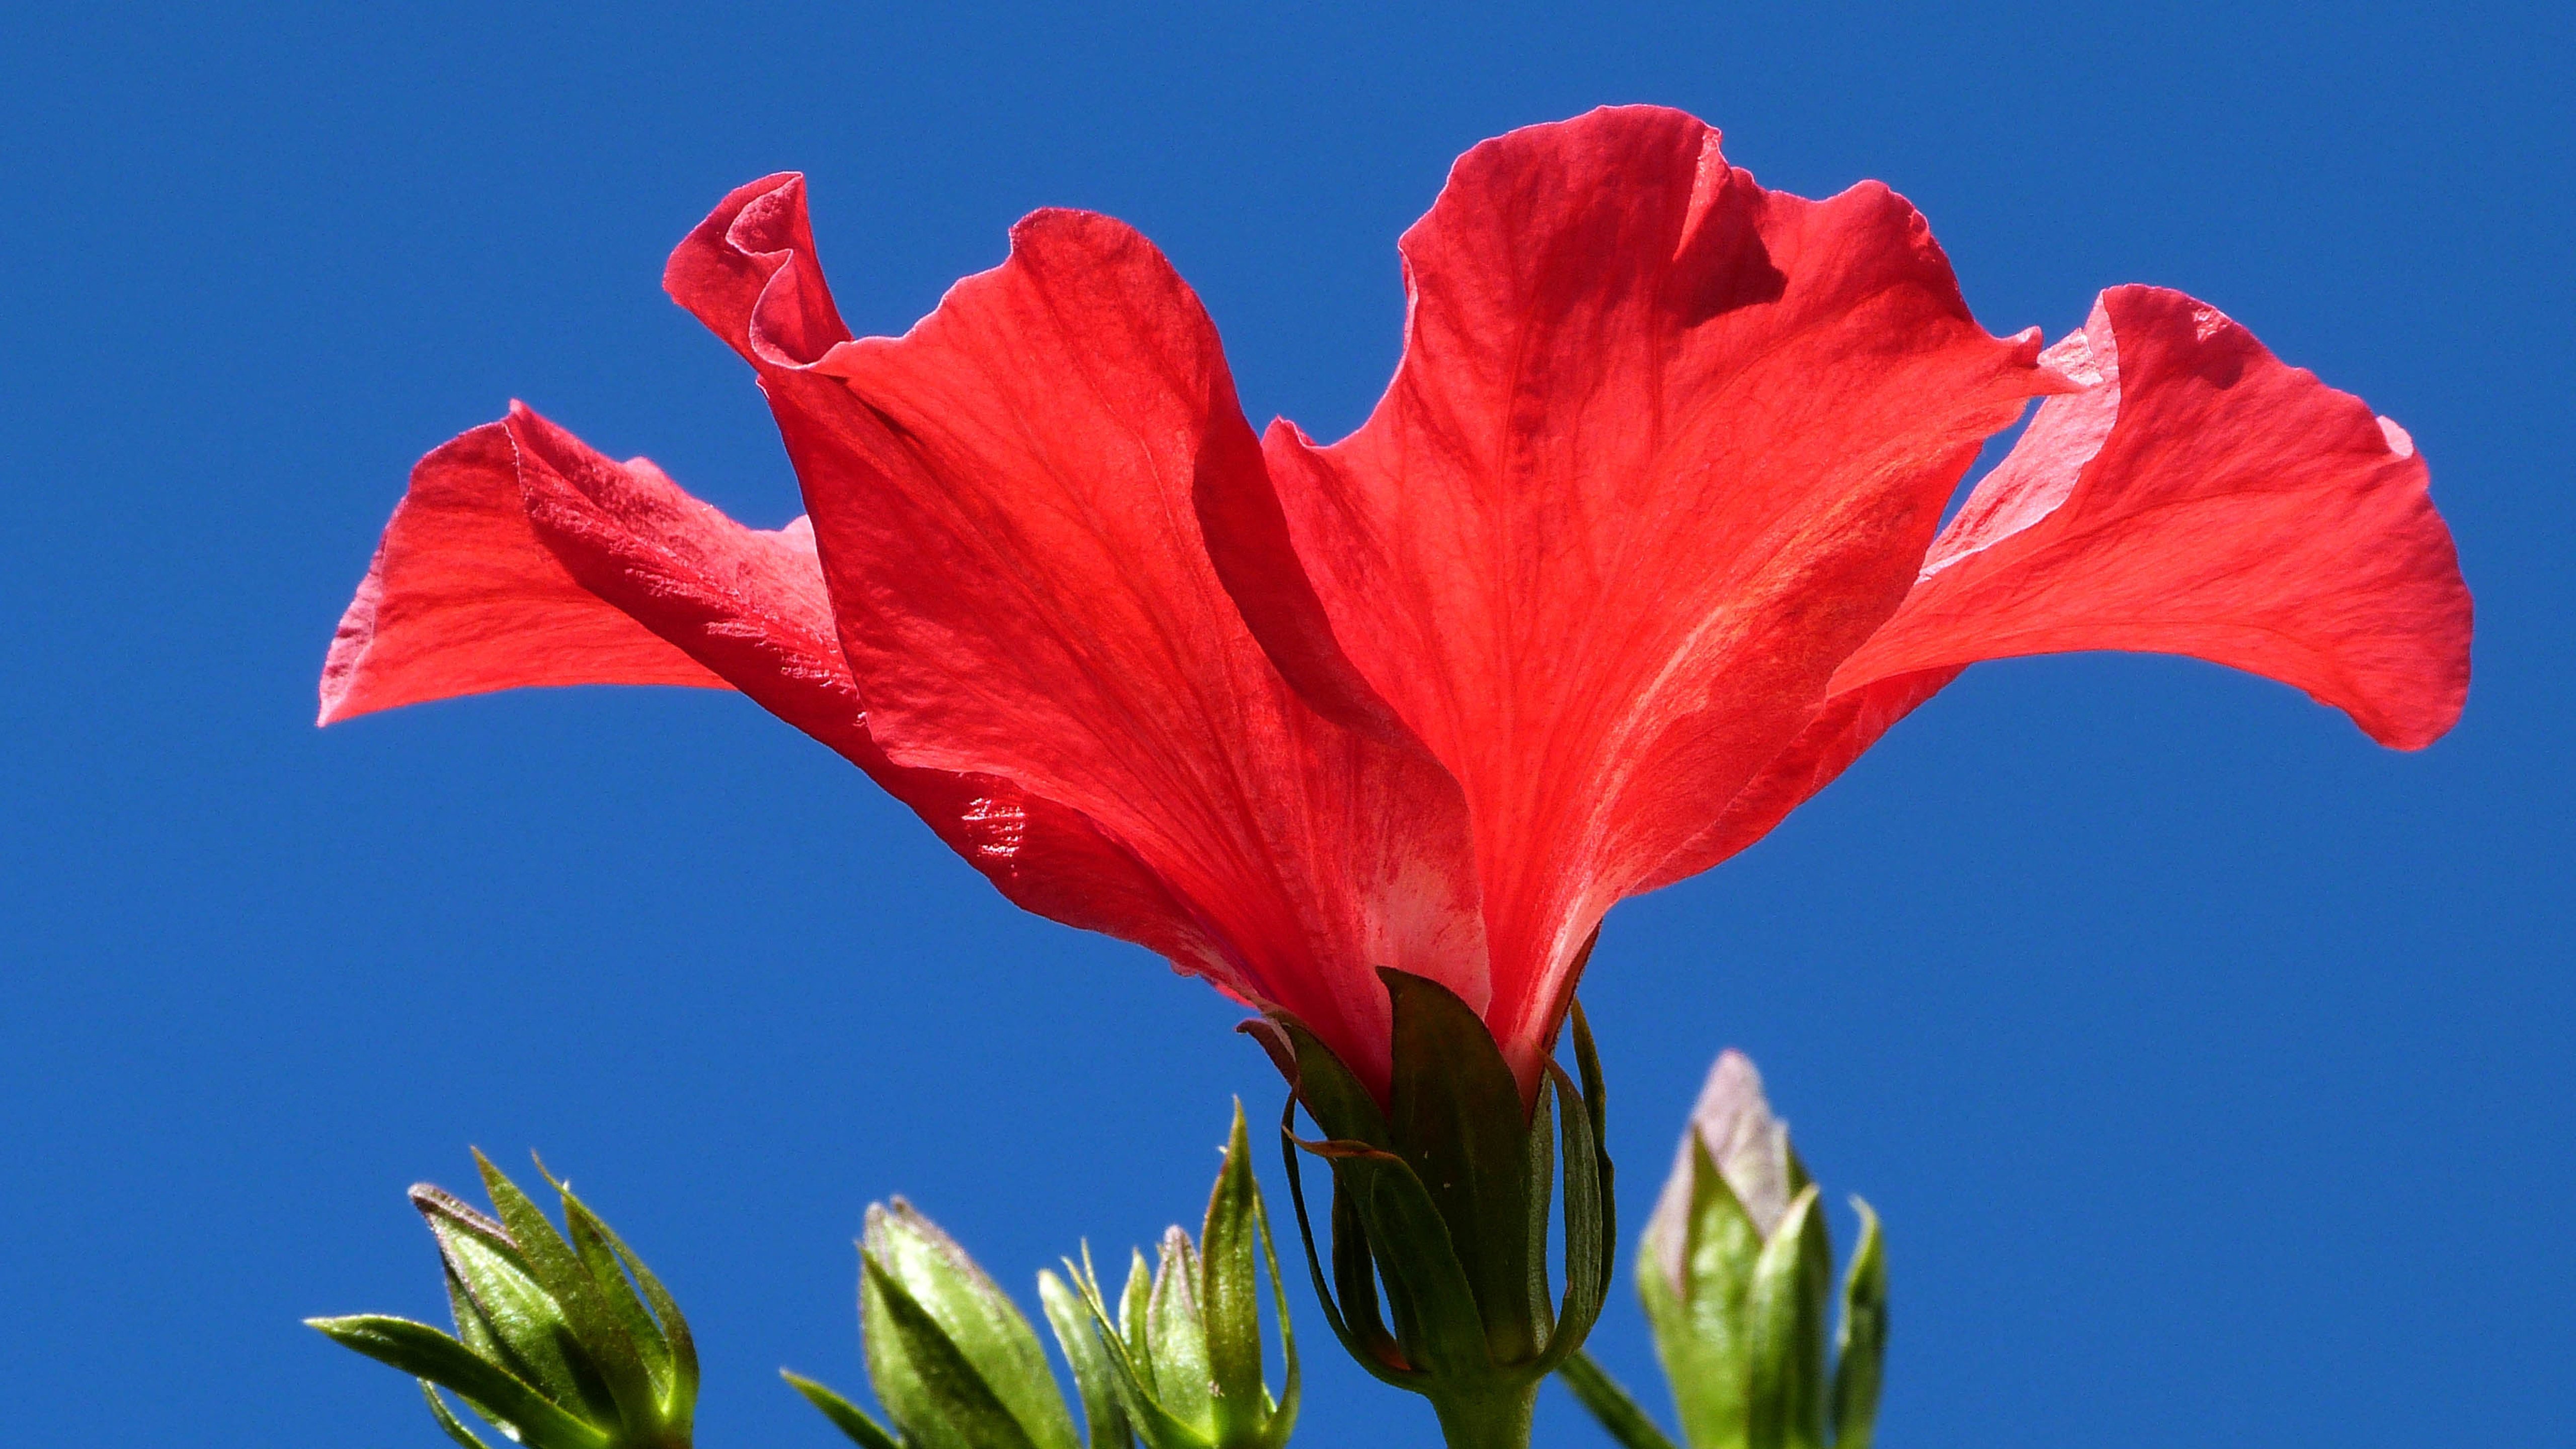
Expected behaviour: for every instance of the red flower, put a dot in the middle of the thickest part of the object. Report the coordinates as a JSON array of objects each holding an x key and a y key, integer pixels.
[{"x": 1636, "y": 554}]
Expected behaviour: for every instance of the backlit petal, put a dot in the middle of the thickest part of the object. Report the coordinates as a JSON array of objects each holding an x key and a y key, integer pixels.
[
  {"x": 2200, "y": 497},
  {"x": 1662, "y": 450},
  {"x": 461, "y": 599},
  {"x": 1006, "y": 500},
  {"x": 523, "y": 557}
]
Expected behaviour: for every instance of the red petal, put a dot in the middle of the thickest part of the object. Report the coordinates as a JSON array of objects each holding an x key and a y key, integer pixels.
[
  {"x": 463, "y": 599},
  {"x": 1663, "y": 448},
  {"x": 2200, "y": 498},
  {"x": 522, "y": 557},
  {"x": 1006, "y": 498}
]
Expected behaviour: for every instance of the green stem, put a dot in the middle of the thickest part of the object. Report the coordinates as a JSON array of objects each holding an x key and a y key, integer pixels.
[{"x": 1498, "y": 1418}]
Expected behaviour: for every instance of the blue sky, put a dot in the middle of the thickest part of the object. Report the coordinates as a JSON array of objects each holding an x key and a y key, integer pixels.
[{"x": 2209, "y": 1064}]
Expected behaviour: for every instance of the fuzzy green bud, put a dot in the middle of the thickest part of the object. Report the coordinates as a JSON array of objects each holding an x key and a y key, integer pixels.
[{"x": 564, "y": 1340}]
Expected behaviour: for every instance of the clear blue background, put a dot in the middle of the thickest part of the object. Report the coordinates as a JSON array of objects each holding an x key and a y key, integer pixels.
[{"x": 2210, "y": 1064}]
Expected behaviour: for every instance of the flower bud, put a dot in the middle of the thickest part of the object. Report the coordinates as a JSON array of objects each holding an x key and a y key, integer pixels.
[
  {"x": 559, "y": 1344},
  {"x": 953, "y": 1361},
  {"x": 1180, "y": 1365},
  {"x": 1736, "y": 1272}
]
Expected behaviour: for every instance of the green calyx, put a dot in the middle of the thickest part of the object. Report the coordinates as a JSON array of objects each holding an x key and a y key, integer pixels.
[
  {"x": 1442, "y": 1203},
  {"x": 564, "y": 1340}
]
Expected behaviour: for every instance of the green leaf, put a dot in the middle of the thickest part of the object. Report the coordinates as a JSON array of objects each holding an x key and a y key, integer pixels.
[
  {"x": 1618, "y": 1413},
  {"x": 1786, "y": 1308},
  {"x": 972, "y": 1313},
  {"x": 1701, "y": 1330},
  {"x": 1230, "y": 1294},
  {"x": 425, "y": 1353},
  {"x": 447, "y": 1420},
  {"x": 1457, "y": 1118},
  {"x": 847, "y": 1417},
  {"x": 558, "y": 1269},
  {"x": 1861, "y": 1346},
  {"x": 1095, "y": 1378}
]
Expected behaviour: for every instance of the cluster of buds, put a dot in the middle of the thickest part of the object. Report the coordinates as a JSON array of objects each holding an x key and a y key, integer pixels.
[
  {"x": 564, "y": 1340},
  {"x": 1736, "y": 1273},
  {"x": 1179, "y": 1365}
]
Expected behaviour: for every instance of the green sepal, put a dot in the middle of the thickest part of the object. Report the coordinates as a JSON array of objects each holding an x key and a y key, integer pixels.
[
  {"x": 678, "y": 1344},
  {"x": 1860, "y": 1348},
  {"x": 1176, "y": 1337},
  {"x": 1458, "y": 1168},
  {"x": 1456, "y": 1117},
  {"x": 447, "y": 1420},
  {"x": 624, "y": 1302},
  {"x": 425, "y": 1353},
  {"x": 1133, "y": 1301},
  {"x": 1095, "y": 1378},
  {"x": 509, "y": 1317},
  {"x": 1229, "y": 1295},
  {"x": 1785, "y": 1313},
  {"x": 1281, "y": 1412},
  {"x": 501, "y": 1311},
  {"x": 641, "y": 1306},
  {"x": 1700, "y": 1326},
  {"x": 975, "y": 1319},
  {"x": 1132, "y": 1376},
  {"x": 1427, "y": 1289},
  {"x": 1591, "y": 1227},
  {"x": 447, "y": 1213},
  {"x": 1331, "y": 1093},
  {"x": 602, "y": 1339},
  {"x": 1618, "y": 1413},
  {"x": 936, "y": 1394},
  {"x": 847, "y": 1417}
]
